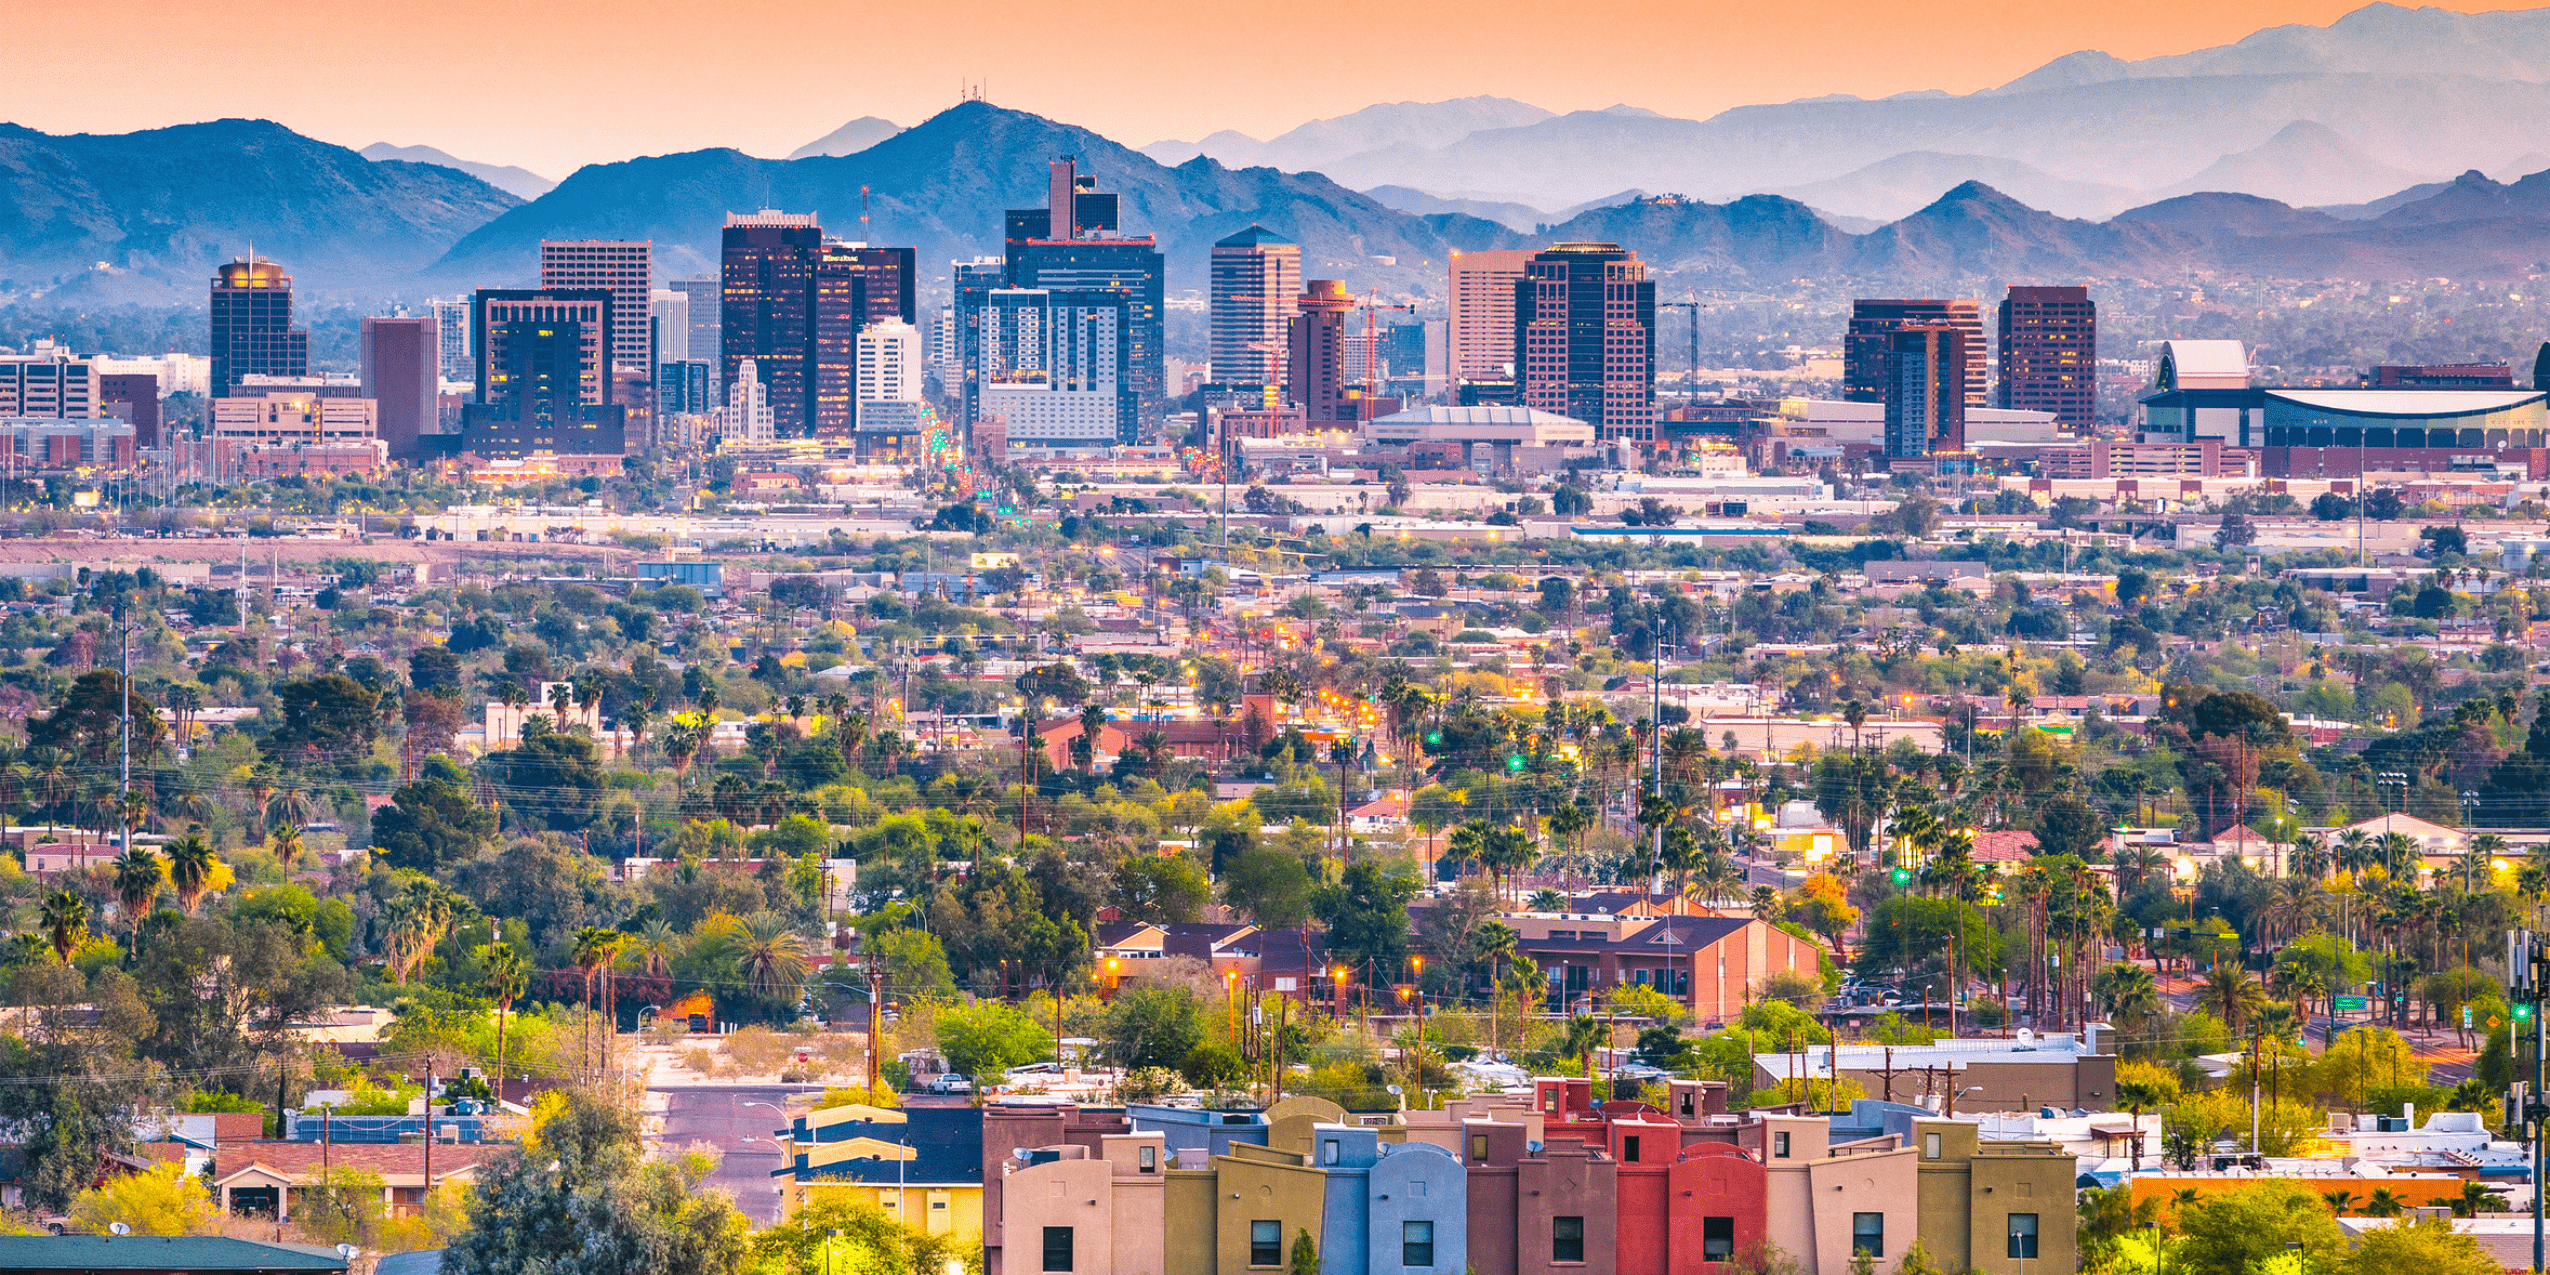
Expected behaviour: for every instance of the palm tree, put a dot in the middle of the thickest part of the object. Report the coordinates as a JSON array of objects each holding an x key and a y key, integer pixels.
[
  {"x": 65, "y": 920},
  {"x": 592, "y": 949},
  {"x": 505, "y": 981},
  {"x": 770, "y": 955},
  {"x": 2228, "y": 993},
  {"x": 1585, "y": 1035},
  {"x": 2385, "y": 1202},
  {"x": 2136, "y": 1094},
  {"x": 2340, "y": 1202},
  {"x": 137, "y": 881},
  {"x": 190, "y": 869},
  {"x": 2128, "y": 991}
]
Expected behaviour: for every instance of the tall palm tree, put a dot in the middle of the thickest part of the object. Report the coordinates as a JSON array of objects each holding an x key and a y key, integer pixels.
[
  {"x": 592, "y": 949},
  {"x": 190, "y": 869},
  {"x": 1586, "y": 1036},
  {"x": 137, "y": 882},
  {"x": 505, "y": 981},
  {"x": 64, "y": 917},
  {"x": 769, "y": 955},
  {"x": 2228, "y": 993}
]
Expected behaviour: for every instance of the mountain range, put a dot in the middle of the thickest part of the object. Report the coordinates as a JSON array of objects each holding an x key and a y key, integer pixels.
[
  {"x": 170, "y": 203},
  {"x": 2405, "y": 95},
  {"x": 521, "y": 183},
  {"x": 106, "y": 219}
]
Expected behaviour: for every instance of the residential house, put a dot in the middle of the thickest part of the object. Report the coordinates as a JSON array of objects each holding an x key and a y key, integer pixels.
[
  {"x": 1994, "y": 1208},
  {"x": 922, "y": 1165},
  {"x": 266, "y": 1177},
  {"x": 2021, "y": 1074},
  {"x": 1079, "y": 1212},
  {"x": 1011, "y": 1127},
  {"x": 1714, "y": 965}
]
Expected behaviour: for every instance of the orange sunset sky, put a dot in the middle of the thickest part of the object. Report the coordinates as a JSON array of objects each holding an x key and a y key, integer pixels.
[{"x": 551, "y": 86}]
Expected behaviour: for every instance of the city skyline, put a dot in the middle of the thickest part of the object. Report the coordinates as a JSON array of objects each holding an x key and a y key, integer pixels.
[{"x": 1750, "y": 57}]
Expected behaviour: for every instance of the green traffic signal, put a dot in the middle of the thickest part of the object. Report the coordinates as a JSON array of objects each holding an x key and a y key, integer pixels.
[
  {"x": 2522, "y": 1012},
  {"x": 1902, "y": 877},
  {"x": 1514, "y": 762}
]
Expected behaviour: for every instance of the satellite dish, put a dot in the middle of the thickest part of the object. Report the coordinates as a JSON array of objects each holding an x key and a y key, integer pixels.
[
  {"x": 1395, "y": 1091},
  {"x": 347, "y": 1251},
  {"x": 119, "y": 1228}
]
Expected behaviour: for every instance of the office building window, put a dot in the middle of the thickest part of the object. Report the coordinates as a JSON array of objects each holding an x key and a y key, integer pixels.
[
  {"x": 1567, "y": 1239},
  {"x": 1930, "y": 1146},
  {"x": 1057, "y": 1248},
  {"x": 1868, "y": 1234},
  {"x": 1265, "y": 1243},
  {"x": 1416, "y": 1243},
  {"x": 2023, "y": 1235},
  {"x": 1629, "y": 1149},
  {"x": 1717, "y": 1239},
  {"x": 1779, "y": 1146},
  {"x": 1147, "y": 1159}
]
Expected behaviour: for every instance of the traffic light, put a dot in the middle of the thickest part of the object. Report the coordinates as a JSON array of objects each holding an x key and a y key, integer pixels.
[
  {"x": 1903, "y": 876},
  {"x": 1514, "y": 762},
  {"x": 1433, "y": 737},
  {"x": 2523, "y": 1012}
]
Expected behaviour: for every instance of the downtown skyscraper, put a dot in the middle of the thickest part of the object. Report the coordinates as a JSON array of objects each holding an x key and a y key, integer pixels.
[
  {"x": 1869, "y": 343},
  {"x": 1071, "y": 248},
  {"x": 626, "y": 269},
  {"x": 2049, "y": 353},
  {"x": 1257, "y": 276},
  {"x": 252, "y": 332},
  {"x": 1585, "y": 339},
  {"x": 766, "y": 266}
]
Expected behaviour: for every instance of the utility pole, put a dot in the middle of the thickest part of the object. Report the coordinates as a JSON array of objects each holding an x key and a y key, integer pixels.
[{"x": 124, "y": 776}]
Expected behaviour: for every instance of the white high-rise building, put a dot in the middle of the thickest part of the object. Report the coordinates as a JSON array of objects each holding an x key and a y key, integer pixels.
[
  {"x": 453, "y": 316},
  {"x": 746, "y": 416},
  {"x": 947, "y": 356},
  {"x": 177, "y": 373},
  {"x": 889, "y": 363},
  {"x": 670, "y": 311}
]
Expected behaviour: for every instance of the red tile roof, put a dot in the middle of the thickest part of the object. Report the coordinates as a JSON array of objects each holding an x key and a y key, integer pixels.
[
  {"x": 297, "y": 1159},
  {"x": 2004, "y": 845}
]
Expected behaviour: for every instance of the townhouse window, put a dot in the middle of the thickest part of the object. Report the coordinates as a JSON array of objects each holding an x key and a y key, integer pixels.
[
  {"x": 1478, "y": 1146},
  {"x": 1780, "y": 1146},
  {"x": 2023, "y": 1235},
  {"x": 1328, "y": 1151},
  {"x": 1868, "y": 1234},
  {"x": 1146, "y": 1159},
  {"x": 1265, "y": 1243},
  {"x": 1687, "y": 1108},
  {"x": 1567, "y": 1239},
  {"x": 1717, "y": 1239},
  {"x": 1416, "y": 1243},
  {"x": 1629, "y": 1149},
  {"x": 1930, "y": 1146},
  {"x": 1057, "y": 1248}
]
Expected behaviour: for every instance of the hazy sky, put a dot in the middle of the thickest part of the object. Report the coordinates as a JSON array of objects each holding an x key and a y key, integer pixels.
[{"x": 554, "y": 85}]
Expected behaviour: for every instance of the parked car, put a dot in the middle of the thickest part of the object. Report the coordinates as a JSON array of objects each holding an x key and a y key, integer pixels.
[{"x": 951, "y": 1082}]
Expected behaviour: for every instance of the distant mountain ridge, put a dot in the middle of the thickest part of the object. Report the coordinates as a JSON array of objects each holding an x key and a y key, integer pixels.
[
  {"x": 2421, "y": 92},
  {"x": 161, "y": 207},
  {"x": 940, "y": 187},
  {"x": 171, "y": 203},
  {"x": 521, "y": 183}
]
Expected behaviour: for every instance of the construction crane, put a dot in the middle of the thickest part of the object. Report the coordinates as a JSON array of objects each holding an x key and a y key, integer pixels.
[{"x": 1372, "y": 348}]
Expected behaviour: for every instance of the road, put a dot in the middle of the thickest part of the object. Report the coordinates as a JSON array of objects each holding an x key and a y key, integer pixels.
[{"x": 716, "y": 1114}]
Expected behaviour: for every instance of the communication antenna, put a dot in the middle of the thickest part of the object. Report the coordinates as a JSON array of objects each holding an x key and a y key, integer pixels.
[{"x": 863, "y": 216}]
